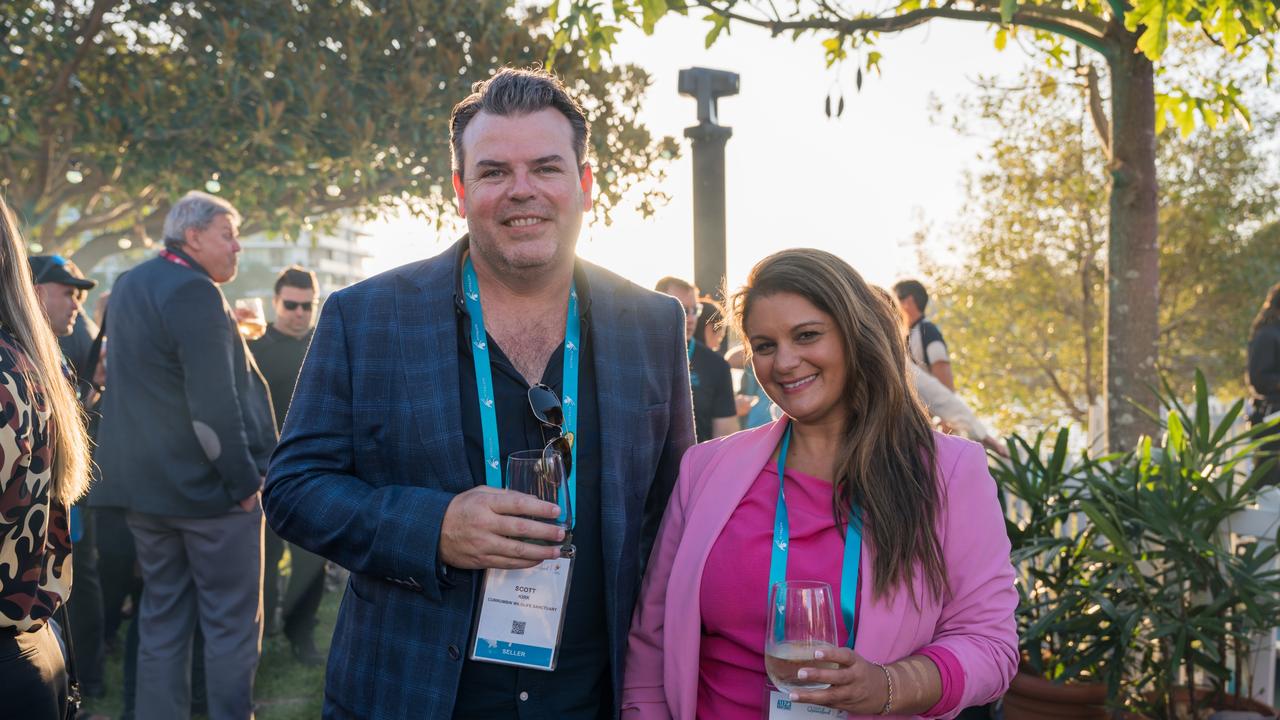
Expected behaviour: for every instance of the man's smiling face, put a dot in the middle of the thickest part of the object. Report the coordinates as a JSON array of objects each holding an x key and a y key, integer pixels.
[{"x": 521, "y": 190}]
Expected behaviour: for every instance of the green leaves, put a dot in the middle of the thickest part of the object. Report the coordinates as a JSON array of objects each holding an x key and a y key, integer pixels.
[
  {"x": 1180, "y": 108},
  {"x": 1007, "y": 9},
  {"x": 1153, "y": 17},
  {"x": 651, "y": 10},
  {"x": 1230, "y": 22},
  {"x": 719, "y": 24},
  {"x": 1154, "y": 558},
  {"x": 281, "y": 100}
]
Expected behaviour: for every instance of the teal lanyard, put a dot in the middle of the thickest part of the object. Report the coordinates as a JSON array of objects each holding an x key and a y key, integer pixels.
[
  {"x": 484, "y": 384},
  {"x": 690, "y": 349},
  {"x": 782, "y": 540}
]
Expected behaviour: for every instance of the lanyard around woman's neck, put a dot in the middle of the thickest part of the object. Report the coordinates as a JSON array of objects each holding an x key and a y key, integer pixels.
[
  {"x": 782, "y": 542},
  {"x": 484, "y": 383}
]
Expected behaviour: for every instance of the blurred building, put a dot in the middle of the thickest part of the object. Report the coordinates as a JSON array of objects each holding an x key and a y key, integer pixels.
[{"x": 337, "y": 257}]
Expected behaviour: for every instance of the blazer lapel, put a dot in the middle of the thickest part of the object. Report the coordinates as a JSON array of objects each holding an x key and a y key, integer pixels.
[
  {"x": 729, "y": 475},
  {"x": 617, "y": 407},
  {"x": 428, "y": 353}
]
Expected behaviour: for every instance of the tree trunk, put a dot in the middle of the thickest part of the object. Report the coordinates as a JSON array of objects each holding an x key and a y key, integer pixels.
[
  {"x": 1133, "y": 252},
  {"x": 88, "y": 255}
]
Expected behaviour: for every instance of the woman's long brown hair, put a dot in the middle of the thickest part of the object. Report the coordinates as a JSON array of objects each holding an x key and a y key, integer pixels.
[
  {"x": 886, "y": 466},
  {"x": 20, "y": 312}
]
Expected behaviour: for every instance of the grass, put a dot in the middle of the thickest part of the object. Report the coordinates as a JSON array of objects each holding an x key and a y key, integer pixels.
[{"x": 284, "y": 689}]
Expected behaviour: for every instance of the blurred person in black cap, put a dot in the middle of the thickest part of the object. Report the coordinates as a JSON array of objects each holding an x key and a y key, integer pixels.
[
  {"x": 61, "y": 289},
  {"x": 279, "y": 354}
]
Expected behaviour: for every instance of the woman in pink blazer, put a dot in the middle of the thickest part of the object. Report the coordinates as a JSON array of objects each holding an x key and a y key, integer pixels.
[{"x": 933, "y": 598}]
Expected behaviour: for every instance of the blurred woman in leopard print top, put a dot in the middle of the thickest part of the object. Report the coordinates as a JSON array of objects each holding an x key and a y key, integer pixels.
[{"x": 43, "y": 469}]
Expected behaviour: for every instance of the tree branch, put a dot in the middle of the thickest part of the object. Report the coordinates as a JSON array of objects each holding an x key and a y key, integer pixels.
[
  {"x": 91, "y": 27},
  {"x": 57, "y": 92},
  {"x": 1061, "y": 391},
  {"x": 1118, "y": 9},
  {"x": 1086, "y": 30},
  {"x": 1096, "y": 110},
  {"x": 89, "y": 223},
  {"x": 96, "y": 249},
  {"x": 104, "y": 245}
]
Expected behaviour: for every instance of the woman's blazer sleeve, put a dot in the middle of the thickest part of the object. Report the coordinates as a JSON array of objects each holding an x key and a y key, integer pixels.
[
  {"x": 643, "y": 690},
  {"x": 977, "y": 621}
]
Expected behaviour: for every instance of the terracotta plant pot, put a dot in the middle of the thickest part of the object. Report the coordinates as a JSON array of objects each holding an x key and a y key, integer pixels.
[
  {"x": 1031, "y": 697},
  {"x": 1206, "y": 699}
]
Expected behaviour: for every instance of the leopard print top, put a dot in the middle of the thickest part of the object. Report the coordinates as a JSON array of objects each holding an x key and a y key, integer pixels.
[{"x": 35, "y": 539}]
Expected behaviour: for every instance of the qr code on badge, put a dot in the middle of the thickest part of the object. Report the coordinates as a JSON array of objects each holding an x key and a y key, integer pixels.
[{"x": 517, "y": 627}]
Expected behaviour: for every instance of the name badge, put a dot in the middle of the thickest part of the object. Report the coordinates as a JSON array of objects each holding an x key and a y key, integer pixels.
[
  {"x": 521, "y": 615},
  {"x": 780, "y": 708}
]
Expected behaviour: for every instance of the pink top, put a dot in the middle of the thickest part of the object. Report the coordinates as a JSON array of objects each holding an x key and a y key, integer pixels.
[
  {"x": 735, "y": 586},
  {"x": 735, "y": 581}
]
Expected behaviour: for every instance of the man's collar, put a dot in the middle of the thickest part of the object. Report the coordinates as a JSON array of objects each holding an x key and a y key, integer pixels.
[
  {"x": 460, "y": 253},
  {"x": 279, "y": 334},
  {"x": 177, "y": 250}
]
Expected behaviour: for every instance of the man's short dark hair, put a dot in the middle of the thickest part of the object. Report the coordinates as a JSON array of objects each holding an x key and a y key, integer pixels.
[
  {"x": 671, "y": 284},
  {"x": 912, "y": 289},
  {"x": 296, "y": 276},
  {"x": 518, "y": 92}
]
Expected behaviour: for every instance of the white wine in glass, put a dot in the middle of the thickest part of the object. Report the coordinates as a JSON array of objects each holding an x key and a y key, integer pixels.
[{"x": 801, "y": 621}]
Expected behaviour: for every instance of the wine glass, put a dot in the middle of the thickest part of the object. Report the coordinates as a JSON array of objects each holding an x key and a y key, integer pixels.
[
  {"x": 801, "y": 621},
  {"x": 250, "y": 318},
  {"x": 540, "y": 473}
]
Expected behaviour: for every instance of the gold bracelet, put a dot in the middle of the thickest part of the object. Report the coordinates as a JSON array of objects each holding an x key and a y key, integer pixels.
[{"x": 888, "y": 679}]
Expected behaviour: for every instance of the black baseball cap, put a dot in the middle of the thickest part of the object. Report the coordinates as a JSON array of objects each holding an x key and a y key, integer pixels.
[{"x": 57, "y": 269}]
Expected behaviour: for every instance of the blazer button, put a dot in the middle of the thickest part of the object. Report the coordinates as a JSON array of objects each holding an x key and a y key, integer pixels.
[{"x": 454, "y": 653}]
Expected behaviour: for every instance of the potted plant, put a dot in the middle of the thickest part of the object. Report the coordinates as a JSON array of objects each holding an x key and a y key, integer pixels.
[
  {"x": 1159, "y": 517},
  {"x": 1064, "y": 648}
]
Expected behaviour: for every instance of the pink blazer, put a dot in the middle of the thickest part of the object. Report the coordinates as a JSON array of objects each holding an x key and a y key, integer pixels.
[{"x": 974, "y": 620}]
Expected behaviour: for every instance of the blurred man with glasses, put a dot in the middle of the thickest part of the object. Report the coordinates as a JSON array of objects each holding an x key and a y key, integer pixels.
[{"x": 279, "y": 353}]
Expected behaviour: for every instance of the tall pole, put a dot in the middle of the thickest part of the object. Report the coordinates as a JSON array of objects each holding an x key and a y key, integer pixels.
[{"x": 708, "y": 137}]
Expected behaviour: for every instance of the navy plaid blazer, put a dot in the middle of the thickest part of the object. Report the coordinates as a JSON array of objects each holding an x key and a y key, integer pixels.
[{"x": 372, "y": 453}]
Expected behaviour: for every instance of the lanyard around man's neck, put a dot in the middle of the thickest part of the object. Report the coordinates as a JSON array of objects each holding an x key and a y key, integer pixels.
[{"x": 484, "y": 383}]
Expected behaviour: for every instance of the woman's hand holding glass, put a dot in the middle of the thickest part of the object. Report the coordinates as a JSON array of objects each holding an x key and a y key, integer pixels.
[{"x": 857, "y": 686}]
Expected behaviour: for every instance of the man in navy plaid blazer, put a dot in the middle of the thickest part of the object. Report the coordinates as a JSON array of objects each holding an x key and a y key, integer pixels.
[{"x": 381, "y": 464}]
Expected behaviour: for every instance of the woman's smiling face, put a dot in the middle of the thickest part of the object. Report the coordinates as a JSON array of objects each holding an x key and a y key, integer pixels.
[{"x": 798, "y": 355}]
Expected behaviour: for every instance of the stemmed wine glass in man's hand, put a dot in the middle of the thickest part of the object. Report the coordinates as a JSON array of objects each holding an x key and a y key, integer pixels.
[{"x": 541, "y": 473}]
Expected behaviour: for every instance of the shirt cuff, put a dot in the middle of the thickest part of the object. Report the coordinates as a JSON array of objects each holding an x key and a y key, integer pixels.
[{"x": 952, "y": 675}]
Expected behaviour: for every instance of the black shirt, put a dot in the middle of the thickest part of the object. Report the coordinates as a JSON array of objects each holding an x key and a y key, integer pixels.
[
  {"x": 1264, "y": 364},
  {"x": 712, "y": 389},
  {"x": 279, "y": 357},
  {"x": 580, "y": 687},
  {"x": 925, "y": 345}
]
